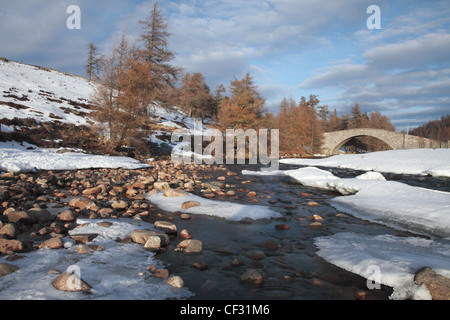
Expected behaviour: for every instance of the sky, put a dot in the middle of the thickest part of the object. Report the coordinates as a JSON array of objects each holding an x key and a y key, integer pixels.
[{"x": 291, "y": 48}]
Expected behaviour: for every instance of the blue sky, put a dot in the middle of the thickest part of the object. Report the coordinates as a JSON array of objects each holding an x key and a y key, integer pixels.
[{"x": 292, "y": 48}]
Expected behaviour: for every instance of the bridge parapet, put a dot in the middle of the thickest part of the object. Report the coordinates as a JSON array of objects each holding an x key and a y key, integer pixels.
[{"x": 333, "y": 141}]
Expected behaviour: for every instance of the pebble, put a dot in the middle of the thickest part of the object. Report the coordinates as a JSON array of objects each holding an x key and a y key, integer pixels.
[{"x": 175, "y": 282}]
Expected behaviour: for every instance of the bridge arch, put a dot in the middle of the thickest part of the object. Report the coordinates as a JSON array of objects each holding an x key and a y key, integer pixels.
[{"x": 333, "y": 141}]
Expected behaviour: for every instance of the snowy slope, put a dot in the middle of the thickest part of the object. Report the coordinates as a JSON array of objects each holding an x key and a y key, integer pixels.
[{"x": 42, "y": 94}]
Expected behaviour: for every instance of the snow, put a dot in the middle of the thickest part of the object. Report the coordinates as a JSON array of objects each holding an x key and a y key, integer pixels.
[
  {"x": 40, "y": 90},
  {"x": 15, "y": 157},
  {"x": 392, "y": 203},
  {"x": 434, "y": 162},
  {"x": 223, "y": 209},
  {"x": 112, "y": 273},
  {"x": 395, "y": 259}
]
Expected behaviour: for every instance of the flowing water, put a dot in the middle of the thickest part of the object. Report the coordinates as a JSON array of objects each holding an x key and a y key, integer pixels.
[{"x": 291, "y": 268}]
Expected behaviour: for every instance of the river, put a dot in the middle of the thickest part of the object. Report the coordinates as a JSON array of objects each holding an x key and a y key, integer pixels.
[{"x": 290, "y": 266}]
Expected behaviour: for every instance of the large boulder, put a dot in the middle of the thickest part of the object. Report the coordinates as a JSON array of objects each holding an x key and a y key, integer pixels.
[
  {"x": 6, "y": 268},
  {"x": 10, "y": 245},
  {"x": 437, "y": 285},
  {"x": 70, "y": 282}
]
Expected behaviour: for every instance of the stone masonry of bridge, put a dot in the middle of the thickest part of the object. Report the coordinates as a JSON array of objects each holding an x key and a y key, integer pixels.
[{"x": 333, "y": 141}]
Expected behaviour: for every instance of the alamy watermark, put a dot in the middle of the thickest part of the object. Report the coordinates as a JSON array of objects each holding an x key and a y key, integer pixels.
[
  {"x": 374, "y": 279},
  {"x": 249, "y": 146},
  {"x": 374, "y": 21},
  {"x": 74, "y": 20}
]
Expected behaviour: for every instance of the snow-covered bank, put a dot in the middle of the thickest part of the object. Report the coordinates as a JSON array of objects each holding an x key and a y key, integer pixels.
[
  {"x": 15, "y": 157},
  {"x": 223, "y": 209},
  {"x": 113, "y": 273},
  {"x": 43, "y": 94},
  {"x": 434, "y": 162},
  {"x": 391, "y": 203},
  {"x": 387, "y": 259}
]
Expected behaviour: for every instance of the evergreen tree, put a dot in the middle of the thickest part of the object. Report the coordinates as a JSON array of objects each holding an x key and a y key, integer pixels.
[
  {"x": 93, "y": 62},
  {"x": 154, "y": 39}
]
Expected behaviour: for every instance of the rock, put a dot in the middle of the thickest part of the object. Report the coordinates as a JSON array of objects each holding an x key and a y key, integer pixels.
[
  {"x": 315, "y": 225},
  {"x": 19, "y": 217},
  {"x": 194, "y": 247},
  {"x": 157, "y": 241},
  {"x": 175, "y": 282},
  {"x": 141, "y": 235},
  {"x": 282, "y": 226},
  {"x": 67, "y": 216},
  {"x": 105, "y": 224},
  {"x": 185, "y": 216},
  {"x": 121, "y": 204},
  {"x": 166, "y": 226},
  {"x": 438, "y": 285},
  {"x": 131, "y": 192},
  {"x": 6, "y": 268},
  {"x": 230, "y": 193},
  {"x": 313, "y": 204},
  {"x": 9, "y": 230},
  {"x": 70, "y": 282},
  {"x": 92, "y": 191},
  {"x": 161, "y": 186},
  {"x": 105, "y": 212},
  {"x": 40, "y": 215},
  {"x": 202, "y": 266},
  {"x": 161, "y": 273},
  {"x": 87, "y": 248},
  {"x": 255, "y": 255},
  {"x": 81, "y": 203},
  {"x": 173, "y": 193},
  {"x": 237, "y": 262},
  {"x": 83, "y": 237},
  {"x": 10, "y": 245},
  {"x": 185, "y": 234},
  {"x": 189, "y": 204},
  {"x": 52, "y": 243},
  {"x": 252, "y": 276},
  {"x": 270, "y": 244},
  {"x": 316, "y": 217}
]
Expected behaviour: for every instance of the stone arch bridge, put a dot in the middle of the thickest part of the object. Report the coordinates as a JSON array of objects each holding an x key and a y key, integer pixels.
[{"x": 333, "y": 141}]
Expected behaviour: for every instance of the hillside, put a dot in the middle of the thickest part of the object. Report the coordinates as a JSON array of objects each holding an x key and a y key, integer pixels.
[{"x": 51, "y": 109}]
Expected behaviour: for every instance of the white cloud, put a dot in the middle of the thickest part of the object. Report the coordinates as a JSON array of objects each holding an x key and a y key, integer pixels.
[{"x": 430, "y": 50}]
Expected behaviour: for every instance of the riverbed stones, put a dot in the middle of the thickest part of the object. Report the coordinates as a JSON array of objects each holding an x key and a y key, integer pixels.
[
  {"x": 88, "y": 248},
  {"x": 252, "y": 276},
  {"x": 52, "y": 243},
  {"x": 6, "y": 268},
  {"x": 9, "y": 231},
  {"x": 194, "y": 247},
  {"x": 7, "y": 245},
  {"x": 83, "y": 237},
  {"x": 437, "y": 284},
  {"x": 166, "y": 226},
  {"x": 189, "y": 204},
  {"x": 175, "y": 282},
  {"x": 70, "y": 282},
  {"x": 141, "y": 235},
  {"x": 255, "y": 255},
  {"x": 173, "y": 193},
  {"x": 67, "y": 216},
  {"x": 19, "y": 217},
  {"x": 157, "y": 241}
]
